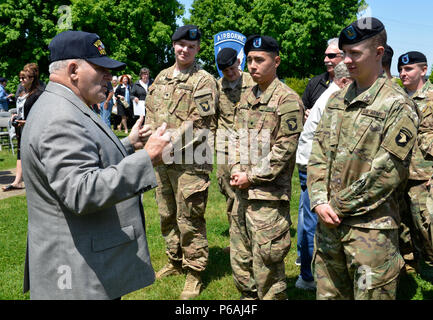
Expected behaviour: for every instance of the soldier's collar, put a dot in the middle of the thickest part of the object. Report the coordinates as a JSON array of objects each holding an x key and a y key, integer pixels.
[
  {"x": 267, "y": 95},
  {"x": 182, "y": 75},
  {"x": 368, "y": 96},
  {"x": 422, "y": 93},
  {"x": 226, "y": 83}
]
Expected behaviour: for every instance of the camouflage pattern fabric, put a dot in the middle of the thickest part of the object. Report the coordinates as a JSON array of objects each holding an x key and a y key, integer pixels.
[
  {"x": 259, "y": 231},
  {"x": 346, "y": 268},
  {"x": 361, "y": 153},
  {"x": 182, "y": 198},
  {"x": 416, "y": 193},
  {"x": 426, "y": 147},
  {"x": 187, "y": 102},
  {"x": 259, "y": 241},
  {"x": 420, "y": 168},
  {"x": 228, "y": 100},
  {"x": 359, "y": 159}
]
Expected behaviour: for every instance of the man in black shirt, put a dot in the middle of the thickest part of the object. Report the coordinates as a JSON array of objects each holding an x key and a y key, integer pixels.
[{"x": 317, "y": 85}]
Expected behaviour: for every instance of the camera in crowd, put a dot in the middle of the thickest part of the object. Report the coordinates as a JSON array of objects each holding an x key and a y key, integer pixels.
[{"x": 15, "y": 121}]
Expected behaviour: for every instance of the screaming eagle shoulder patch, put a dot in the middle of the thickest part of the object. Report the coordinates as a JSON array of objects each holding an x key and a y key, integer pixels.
[{"x": 401, "y": 138}]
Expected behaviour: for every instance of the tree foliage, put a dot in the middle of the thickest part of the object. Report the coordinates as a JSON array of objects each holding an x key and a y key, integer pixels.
[
  {"x": 134, "y": 31},
  {"x": 302, "y": 27}
]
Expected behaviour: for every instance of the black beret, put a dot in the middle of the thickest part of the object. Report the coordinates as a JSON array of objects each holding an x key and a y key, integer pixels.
[
  {"x": 226, "y": 58},
  {"x": 389, "y": 51},
  {"x": 3, "y": 79},
  {"x": 261, "y": 43},
  {"x": 411, "y": 57},
  {"x": 187, "y": 32},
  {"x": 360, "y": 30}
]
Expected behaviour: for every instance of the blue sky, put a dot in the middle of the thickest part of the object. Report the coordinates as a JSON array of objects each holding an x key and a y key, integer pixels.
[{"x": 408, "y": 24}]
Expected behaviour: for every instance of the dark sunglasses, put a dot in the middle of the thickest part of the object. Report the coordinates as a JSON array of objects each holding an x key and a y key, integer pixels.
[{"x": 331, "y": 55}]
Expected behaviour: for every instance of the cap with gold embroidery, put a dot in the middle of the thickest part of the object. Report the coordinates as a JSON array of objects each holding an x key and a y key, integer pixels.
[{"x": 82, "y": 45}]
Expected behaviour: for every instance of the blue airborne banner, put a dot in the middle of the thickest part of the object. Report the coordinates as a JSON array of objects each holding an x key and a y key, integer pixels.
[{"x": 231, "y": 39}]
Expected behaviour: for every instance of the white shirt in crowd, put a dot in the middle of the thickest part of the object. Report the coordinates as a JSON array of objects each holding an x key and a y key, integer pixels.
[{"x": 306, "y": 139}]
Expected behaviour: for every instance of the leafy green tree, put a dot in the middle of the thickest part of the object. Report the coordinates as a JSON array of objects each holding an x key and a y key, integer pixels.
[
  {"x": 26, "y": 28},
  {"x": 134, "y": 31},
  {"x": 301, "y": 27},
  {"x": 137, "y": 32}
]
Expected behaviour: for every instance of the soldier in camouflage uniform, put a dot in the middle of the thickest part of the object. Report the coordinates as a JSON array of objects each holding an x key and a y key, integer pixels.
[
  {"x": 360, "y": 155},
  {"x": 412, "y": 67},
  {"x": 259, "y": 231},
  {"x": 426, "y": 146},
  {"x": 231, "y": 87},
  {"x": 185, "y": 97}
]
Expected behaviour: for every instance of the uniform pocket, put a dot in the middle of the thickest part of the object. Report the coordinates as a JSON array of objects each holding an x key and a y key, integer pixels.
[{"x": 273, "y": 248}]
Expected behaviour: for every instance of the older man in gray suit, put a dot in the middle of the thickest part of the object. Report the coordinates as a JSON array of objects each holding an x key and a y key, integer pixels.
[{"x": 86, "y": 232}]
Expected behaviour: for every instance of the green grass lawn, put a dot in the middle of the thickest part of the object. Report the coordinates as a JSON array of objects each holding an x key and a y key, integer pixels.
[{"x": 218, "y": 282}]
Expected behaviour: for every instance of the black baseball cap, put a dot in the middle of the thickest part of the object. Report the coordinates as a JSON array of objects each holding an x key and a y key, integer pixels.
[
  {"x": 411, "y": 57},
  {"x": 261, "y": 43},
  {"x": 187, "y": 32},
  {"x": 226, "y": 58},
  {"x": 82, "y": 45},
  {"x": 360, "y": 30}
]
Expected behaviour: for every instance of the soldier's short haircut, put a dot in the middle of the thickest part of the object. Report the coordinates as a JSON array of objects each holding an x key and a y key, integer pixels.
[{"x": 379, "y": 40}]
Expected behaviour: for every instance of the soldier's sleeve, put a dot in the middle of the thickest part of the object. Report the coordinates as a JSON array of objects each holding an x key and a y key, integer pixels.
[
  {"x": 388, "y": 168},
  {"x": 425, "y": 138},
  {"x": 318, "y": 163},
  {"x": 206, "y": 98},
  {"x": 286, "y": 141}
]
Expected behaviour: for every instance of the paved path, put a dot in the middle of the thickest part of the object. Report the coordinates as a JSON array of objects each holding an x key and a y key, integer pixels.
[{"x": 7, "y": 177}]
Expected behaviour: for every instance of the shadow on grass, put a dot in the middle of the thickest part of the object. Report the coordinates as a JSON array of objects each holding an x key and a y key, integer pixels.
[
  {"x": 407, "y": 287},
  {"x": 6, "y": 177},
  {"x": 218, "y": 266}
]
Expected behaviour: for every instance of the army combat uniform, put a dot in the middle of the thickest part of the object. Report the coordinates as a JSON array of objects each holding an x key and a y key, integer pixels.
[
  {"x": 426, "y": 146},
  {"x": 229, "y": 98},
  {"x": 259, "y": 231},
  {"x": 187, "y": 102},
  {"x": 360, "y": 156},
  {"x": 420, "y": 171}
]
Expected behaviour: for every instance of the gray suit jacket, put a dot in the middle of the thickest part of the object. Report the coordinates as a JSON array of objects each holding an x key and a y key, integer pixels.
[{"x": 86, "y": 235}]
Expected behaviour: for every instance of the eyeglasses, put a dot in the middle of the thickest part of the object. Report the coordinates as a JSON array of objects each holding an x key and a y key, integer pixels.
[{"x": 332, "y": 55}]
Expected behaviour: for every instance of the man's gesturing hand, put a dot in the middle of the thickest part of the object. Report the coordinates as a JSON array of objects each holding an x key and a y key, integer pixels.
[{"x": 156, "y": 144}]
